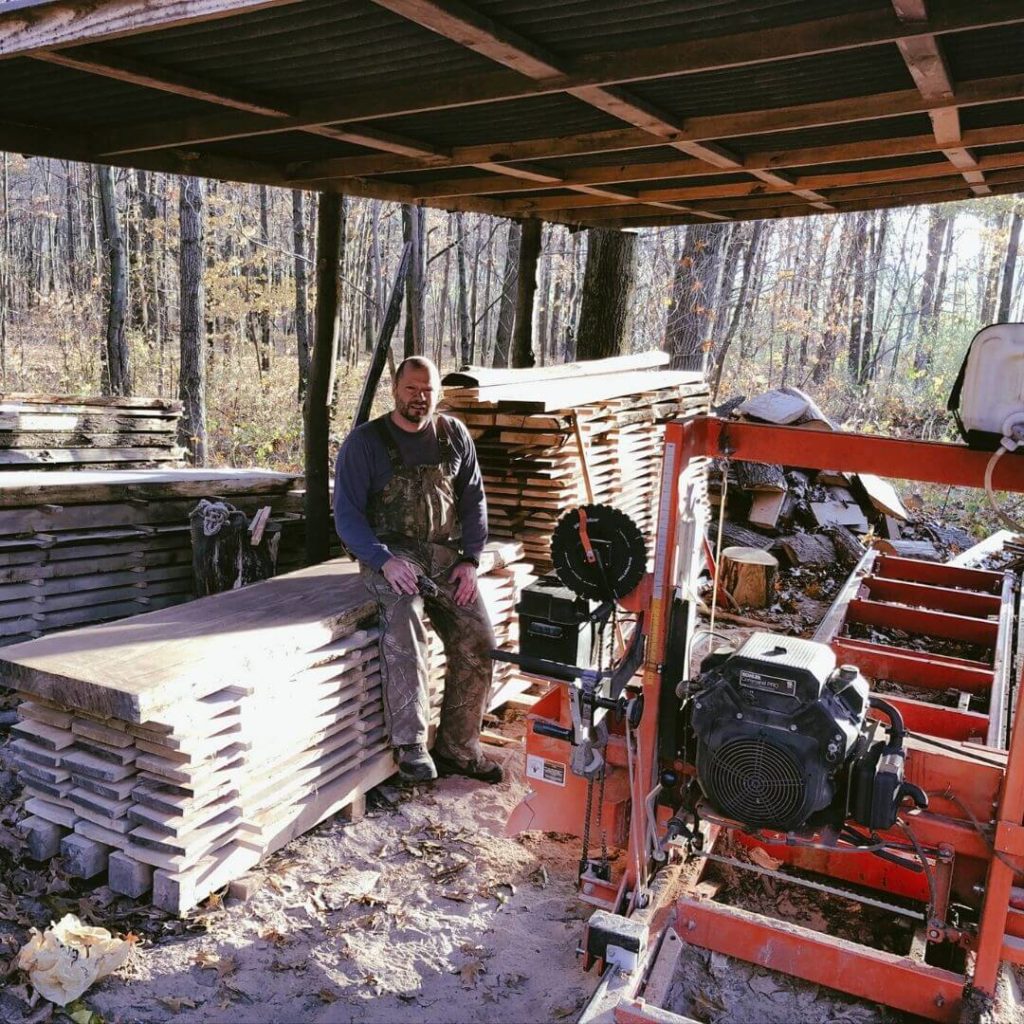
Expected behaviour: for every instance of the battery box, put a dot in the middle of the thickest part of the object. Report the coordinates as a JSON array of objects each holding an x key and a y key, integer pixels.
[{"x": 554, "y": 624}]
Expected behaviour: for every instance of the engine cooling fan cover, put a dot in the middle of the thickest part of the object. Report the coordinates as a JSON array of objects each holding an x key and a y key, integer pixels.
[{"x": 756, "y": 782}]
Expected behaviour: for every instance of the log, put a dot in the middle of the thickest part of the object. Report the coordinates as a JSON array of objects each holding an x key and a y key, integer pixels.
[
  {"x": 734, "y": 535},
  {"x": 808, "y": 549},
  {"x": 923, "y": 550},
  {"x": 748, "y": 574},
  {"x": 760, "y": 476},
  {"x": 849, "y": 549}
]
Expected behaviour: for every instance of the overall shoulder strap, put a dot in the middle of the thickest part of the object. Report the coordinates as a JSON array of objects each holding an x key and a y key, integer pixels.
[
  {"x": 445, "y": 447},
  {"x": 380, "y": 424}
]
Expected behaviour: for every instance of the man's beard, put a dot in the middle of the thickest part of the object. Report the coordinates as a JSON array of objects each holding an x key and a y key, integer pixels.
[{"x": 415, "y": 411}]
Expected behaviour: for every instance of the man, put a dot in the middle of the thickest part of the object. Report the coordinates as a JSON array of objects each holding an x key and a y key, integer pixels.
[{"x": 409, "y": 504}]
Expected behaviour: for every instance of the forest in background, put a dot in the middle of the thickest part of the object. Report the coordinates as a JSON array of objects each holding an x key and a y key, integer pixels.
[{"x": 110, "y": 278}]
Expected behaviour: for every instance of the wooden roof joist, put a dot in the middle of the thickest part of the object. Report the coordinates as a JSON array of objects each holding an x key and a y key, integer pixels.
[{"x": 667, "y": 98}]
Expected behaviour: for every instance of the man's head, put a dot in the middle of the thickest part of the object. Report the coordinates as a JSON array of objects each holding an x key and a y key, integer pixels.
[{"x": 417, "y": 389}]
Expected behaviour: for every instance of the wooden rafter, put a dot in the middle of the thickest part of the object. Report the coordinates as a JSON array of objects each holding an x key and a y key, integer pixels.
[
  {"x": 927, "y": 66},
  {"x": 25, "y": 30}
]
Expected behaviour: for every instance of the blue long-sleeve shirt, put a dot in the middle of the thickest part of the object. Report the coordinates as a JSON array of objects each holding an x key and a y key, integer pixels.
[{"x": 363, "y": 468}]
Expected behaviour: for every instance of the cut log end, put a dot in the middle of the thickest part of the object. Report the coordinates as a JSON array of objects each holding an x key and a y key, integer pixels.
[{"x": 748, "y": 575}]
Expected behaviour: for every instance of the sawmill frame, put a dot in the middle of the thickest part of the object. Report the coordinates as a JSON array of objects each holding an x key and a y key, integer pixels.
[{"x": 964, "y": 851}]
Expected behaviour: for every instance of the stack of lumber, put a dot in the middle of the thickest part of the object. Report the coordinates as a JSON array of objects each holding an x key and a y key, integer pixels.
[
  {"x": 179, "y": 750},
  {"x": 555, "y": 437},
  {"x": 65, "y": 431},
  {"x": 96, "y": 545}
]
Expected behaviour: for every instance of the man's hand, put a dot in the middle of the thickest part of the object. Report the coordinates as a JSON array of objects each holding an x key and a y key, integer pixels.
[
  {"x": 464, "y": 578},
  {"x": 401, "y": 575}
]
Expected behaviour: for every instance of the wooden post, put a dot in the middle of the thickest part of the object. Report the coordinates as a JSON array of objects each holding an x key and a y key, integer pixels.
[{"x": 316, "y": 411}]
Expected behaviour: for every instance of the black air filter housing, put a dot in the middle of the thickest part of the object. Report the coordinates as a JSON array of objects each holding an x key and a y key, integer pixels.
[{"x": 776, "y": 723}]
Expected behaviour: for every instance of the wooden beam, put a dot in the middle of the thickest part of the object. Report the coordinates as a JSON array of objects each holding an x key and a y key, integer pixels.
[
  {"x": 477, "y": 32},
  {"x": 195, "y": 131},
  {"x": 25, "y": 30},
  {"x": 460, "y": 24},
  {"x": 927, "y": 66},
  {"x": 116, "y": 66}
]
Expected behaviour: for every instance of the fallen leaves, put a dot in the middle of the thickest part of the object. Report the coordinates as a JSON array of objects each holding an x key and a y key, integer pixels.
[
  {"x": 177, "y": 1003},
  {"x": 469, "y": 972},
  {"x": 223, "y": 965}
]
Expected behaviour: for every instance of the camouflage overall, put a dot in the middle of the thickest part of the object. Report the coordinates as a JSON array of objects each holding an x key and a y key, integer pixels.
[{"x": 415, "y": 516}]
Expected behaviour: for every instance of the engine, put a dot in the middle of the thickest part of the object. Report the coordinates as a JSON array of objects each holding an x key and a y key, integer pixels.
[{"x": 784, "y": 739}]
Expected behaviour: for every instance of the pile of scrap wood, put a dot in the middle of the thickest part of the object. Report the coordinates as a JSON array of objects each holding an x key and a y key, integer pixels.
[
  {"x": 71, "y": 430},
  {"x": 95, "y": 545},
  {"x": 551, "y": 438},
  {"x": 177, "y": 750},
  {"x": 804, "y": 517}
]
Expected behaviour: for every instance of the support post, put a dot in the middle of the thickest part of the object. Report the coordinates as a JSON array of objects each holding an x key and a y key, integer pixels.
[{"x": 316, "y": 411}]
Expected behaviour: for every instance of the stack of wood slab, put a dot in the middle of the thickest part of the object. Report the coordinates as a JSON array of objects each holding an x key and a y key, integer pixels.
[
  {"x": 555, "y": 437},
  {"x": 177, "y": 750},
  {"x": 70, "y": 430},
  {"x": 95, "y": 545}
]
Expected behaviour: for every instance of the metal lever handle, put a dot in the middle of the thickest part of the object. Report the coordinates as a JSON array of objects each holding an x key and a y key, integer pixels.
[{"x": 552, "y": 729}]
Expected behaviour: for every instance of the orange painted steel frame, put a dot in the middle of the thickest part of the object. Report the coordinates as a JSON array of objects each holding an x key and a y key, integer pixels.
[{"x": 961, "y": 787}]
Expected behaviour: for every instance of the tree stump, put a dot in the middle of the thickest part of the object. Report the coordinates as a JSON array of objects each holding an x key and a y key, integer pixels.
[
  {"x": 224, "y": 555},
  {"x": 748, "y": 574}
]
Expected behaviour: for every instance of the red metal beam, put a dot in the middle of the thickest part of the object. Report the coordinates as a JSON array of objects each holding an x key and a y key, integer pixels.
[
  {"x": 880, "y": 661},
  {"x": 917, "y": 620},
  {"x": 936, "y": 720},
  {"x": 906, "y": 984},
  {"x": 935, "y": 573},
  {"x": 858, "y": 453},
  {"x": 943, "y": 599}
]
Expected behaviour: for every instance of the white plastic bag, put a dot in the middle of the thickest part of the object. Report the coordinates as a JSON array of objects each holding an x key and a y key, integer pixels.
[{"x": 68, "y": 957}]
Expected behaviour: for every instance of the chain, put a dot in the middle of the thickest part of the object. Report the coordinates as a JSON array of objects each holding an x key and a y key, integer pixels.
[
  {"x": 585, "y": 856},
  {"x": 600, "y": 804}
]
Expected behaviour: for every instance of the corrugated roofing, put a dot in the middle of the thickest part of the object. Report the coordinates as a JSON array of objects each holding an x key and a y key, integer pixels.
[
  {"x": 576, "y": 27},
  {"x": 783, "y": 84}
]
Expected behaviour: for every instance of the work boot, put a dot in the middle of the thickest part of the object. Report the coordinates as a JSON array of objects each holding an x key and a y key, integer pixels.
[
  {"x": 482, "y": 769},
  {"x": 414, "y": 763}
]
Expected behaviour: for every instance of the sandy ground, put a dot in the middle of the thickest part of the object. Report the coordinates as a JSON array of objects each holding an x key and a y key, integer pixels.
[{"x": 422, "y": 912}]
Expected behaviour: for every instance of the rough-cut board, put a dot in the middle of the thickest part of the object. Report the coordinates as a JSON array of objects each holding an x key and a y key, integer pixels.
[
  {"x": 882, "y": 495},
  {"x": 133, "y": 670},
  {"x": 487, "y": 377}
]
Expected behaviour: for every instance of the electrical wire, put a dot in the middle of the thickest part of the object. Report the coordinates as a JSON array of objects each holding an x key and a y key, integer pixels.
[
  {"x": 718, "y": 542},
  {"x": 1006, "y": 519}
]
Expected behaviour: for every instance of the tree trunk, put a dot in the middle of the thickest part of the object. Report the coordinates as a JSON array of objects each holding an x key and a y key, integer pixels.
[
  {"x": 991, "y": 280},
  {"x": 465, "y": 333},
  {"x": 691, "y": 313},
  {"x": 117, "y": 375},
  {"x": 753, "y": 249},
  {"x": 861, "y": 255},
  {"x": 925, "y": 324},
  {"x": 321, "y": 367},
  {"x": 507, "y": 306},
  {"x": 301, "y": 289},
  {"x": 748, "y": 575},
  {"x": 1009, "y": 268},
  {"x": 192, "y": 372},
  {"x": 871, "y": 348},
  {"x": 412, "y": 231},
  {"x": 526, "y": 288},
  {"x": 264, "y": 281},
  {"x": 608, "y": 284}
]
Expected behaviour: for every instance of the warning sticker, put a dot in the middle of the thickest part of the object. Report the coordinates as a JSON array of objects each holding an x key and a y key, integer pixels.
[{"x": 545, "y": 771}]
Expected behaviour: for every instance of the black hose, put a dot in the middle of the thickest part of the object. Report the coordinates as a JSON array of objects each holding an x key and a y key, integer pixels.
[{"x": 897, "y": 731}]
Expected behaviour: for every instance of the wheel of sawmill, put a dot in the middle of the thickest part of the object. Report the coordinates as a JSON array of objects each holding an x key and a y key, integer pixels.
[{"x": 616, "y": 541}]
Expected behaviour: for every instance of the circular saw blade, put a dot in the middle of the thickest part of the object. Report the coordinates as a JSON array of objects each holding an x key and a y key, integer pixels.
[{"x": 617, "y": 543}]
